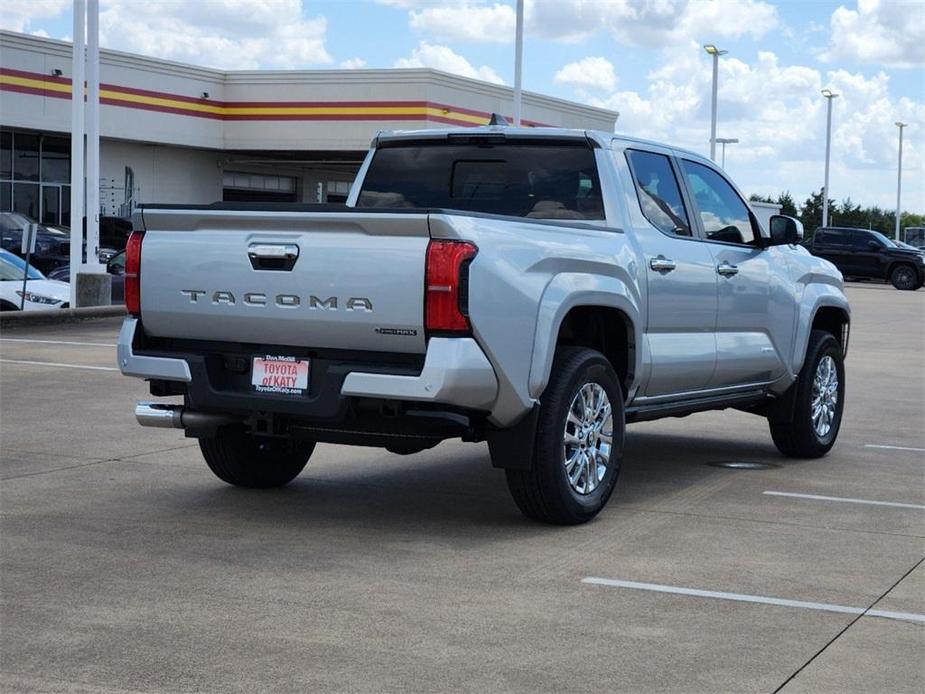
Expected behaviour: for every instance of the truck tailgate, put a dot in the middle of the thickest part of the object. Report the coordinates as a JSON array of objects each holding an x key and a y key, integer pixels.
[{"x": 345, "y": 280}]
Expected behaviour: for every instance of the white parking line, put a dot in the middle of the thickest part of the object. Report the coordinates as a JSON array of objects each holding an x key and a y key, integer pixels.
[
  {"x": 63, "y": 366},
  {"x": 845, "y": 499},
  {"x": 57, "y": 342},
  {"x": 760, "y": 599},
  {"x": 894, "y": 448}
]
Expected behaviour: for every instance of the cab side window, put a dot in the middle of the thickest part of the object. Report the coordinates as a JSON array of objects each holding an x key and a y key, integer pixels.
[
  {"x": 659, "y": 193},
  {"x": 724, "y": 215},
  {"x": 861, "y": 241}
]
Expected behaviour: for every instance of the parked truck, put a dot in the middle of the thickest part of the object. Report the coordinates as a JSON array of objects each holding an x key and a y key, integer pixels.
[{"x": 533, "y": 288}]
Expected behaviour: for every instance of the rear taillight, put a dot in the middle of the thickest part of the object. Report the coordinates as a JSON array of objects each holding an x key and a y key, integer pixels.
[
  {"x": 133, "y": 273},
  {"x": 446, "y": 286}
]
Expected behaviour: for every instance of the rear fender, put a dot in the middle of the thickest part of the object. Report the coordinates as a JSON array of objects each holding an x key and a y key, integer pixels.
[{"x": 570, "y": 290}]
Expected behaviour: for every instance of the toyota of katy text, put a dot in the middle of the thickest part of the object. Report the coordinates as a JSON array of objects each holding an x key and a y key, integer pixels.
[{"x": 537, "y": 289}]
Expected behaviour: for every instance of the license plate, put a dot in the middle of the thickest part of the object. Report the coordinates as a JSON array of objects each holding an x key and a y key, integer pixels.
[{"x": 285, "y": 375}]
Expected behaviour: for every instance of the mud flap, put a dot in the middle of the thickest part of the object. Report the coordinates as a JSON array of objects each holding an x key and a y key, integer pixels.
[
  {"x": 780, "y": 409},
  {"x": 512, "y": 448}
]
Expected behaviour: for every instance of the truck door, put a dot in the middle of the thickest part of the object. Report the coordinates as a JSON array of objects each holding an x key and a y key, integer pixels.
[
  {"x": 680, "y": 280},
  {"x": 867, "y": 254},
  {"x": 756, "y": 306},
  {"x": 834, "y": 245}
]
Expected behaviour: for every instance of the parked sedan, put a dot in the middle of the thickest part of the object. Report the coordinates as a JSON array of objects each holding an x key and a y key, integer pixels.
[{"x": 41, "y": 293}]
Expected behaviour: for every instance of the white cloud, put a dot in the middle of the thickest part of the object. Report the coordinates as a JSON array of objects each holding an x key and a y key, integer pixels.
[
  {"x": 443, "y": 58},
  {"x": 588, "y": 73},
  {"x": 888, "y": 33},
  {"x": 778, "y": 115},
  {"x": 466, "y": 22},
  {"x": 633, "y": 22},
  {"x": 227, "y": 34},
  {"x": 18, "y": 15},
  {"x": 352, "y": 63}
]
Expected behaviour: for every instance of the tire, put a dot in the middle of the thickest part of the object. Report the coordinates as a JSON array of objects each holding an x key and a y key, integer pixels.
[
  {"x": 244, "y": 460},
  {"x": 904, "y": 278},
  {"x": 800, "y": 437},
  {"x": 544, "y": 492}
]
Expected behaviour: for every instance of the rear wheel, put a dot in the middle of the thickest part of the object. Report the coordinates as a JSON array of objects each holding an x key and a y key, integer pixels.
[
  {"x": 244, "y": 460},
  {"x": 579, "y": 442},
  {"x": 905, "y": 278},
  {"x": 819, "y": 401}
]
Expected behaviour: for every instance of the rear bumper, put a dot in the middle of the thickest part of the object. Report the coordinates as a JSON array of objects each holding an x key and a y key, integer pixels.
[
  {"x": 142, "y": 366},
  {"x": 455, "y": 372}
]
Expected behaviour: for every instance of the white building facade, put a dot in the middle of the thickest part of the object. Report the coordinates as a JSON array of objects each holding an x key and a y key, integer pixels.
[{"x": 175, "y": 133}]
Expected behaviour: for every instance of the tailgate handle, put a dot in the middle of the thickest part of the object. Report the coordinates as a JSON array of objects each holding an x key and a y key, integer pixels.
[{"x": 273, "y": 256}]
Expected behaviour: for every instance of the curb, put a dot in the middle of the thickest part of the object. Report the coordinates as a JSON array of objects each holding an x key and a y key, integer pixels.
[{"x": 13, "y": 319}]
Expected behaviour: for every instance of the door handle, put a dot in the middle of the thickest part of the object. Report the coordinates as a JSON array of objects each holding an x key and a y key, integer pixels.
[
  {"x": 662, "y": 264},
  {"x": 273, "y": 256},
  {"x": 726, "y": 269},
  {"x": 273, "y": 250}
]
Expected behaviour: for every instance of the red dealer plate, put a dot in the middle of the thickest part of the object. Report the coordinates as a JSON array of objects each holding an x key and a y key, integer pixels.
[{"x": 285, "y": 375}]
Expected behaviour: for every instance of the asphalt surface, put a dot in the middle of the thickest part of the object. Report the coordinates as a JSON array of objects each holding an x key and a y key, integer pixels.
[{"x": 126, "y": 566}]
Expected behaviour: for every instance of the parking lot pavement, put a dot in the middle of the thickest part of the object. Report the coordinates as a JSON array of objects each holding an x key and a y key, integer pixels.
[{"x": 127, "y": 567}]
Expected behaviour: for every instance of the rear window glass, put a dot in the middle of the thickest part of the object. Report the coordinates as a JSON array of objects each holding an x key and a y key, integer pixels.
[{"x": 538, "y": 180}]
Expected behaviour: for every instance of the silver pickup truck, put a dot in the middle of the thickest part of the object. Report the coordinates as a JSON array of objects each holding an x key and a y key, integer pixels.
[{"x": 533, "y": 288}]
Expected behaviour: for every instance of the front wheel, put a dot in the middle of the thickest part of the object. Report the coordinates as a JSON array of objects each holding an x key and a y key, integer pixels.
[
  {"x": 244, "y": 460},
  {"x": 904, "y": 278},
  {"x": 578, "y": 444},
  {"x": 819, "y": 394}
]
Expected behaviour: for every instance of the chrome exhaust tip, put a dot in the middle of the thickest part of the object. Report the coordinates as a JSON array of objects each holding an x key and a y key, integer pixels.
[{"x": 153, "y": 414}]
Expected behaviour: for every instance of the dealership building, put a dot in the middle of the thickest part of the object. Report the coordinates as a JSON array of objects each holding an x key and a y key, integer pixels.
[{"x": 176, "y": 133}]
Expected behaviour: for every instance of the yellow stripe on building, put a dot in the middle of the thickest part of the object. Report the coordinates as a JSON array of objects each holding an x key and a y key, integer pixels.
[{"x": 399, "y": 112}]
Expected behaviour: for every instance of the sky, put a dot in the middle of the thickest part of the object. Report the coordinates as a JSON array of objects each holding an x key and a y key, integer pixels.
[{"x": 643, "y": 58}]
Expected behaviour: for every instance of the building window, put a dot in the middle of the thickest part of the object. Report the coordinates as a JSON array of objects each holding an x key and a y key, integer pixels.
[
  {"x": 25, "y": 160},
  {"x": 26, "y": 199},
  {"x": 26, "y": 157},
  {"x": 337, "y": 191},
  {"x": 6, "y": 155},
  {"x": 248, "y": 187},
  {"x": 56, "y": 159}
]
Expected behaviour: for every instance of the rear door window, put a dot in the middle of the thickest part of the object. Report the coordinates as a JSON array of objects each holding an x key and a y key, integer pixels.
[
  {"x": 832, "y": 237},
  {"x": 537, "y": 179},
  {"x": 859, "y": 240},
  {"x": 659, "y": 193}
]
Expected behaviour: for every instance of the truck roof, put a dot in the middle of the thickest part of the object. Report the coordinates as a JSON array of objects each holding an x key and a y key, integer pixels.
[{"x": 600, "y": 137}]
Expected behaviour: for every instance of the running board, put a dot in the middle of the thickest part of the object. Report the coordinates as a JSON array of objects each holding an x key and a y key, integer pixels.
[{"x": 681, "y": 408}]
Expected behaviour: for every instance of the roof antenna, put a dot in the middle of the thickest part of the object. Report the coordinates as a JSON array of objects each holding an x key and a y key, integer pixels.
[{"x": 497, "y": 119}]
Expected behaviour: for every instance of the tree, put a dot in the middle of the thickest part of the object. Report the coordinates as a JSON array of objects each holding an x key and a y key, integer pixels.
[
  {"x": 787, "y": 205},
  {"x": 846, "y": 214}
]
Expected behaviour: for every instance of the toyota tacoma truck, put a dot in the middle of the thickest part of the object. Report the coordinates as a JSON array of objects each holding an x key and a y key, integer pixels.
[{"x": 533, "y": 288}]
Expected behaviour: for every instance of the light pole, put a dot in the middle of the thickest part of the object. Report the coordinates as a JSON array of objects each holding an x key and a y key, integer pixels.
[
  {"x": 726, "y": 141},
  {"x": 518, "y": 62},
  {"x": 716, "y": 53},
  {"x": 899, "y": 175},
  {"x": 829, "y": 95},
  {"x": 77, "y": 145}
]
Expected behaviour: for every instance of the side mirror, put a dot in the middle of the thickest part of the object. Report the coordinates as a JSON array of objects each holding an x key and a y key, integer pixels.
[
  {"x": 785, "y": 230},
  {"x": 873, "y": 245}
]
